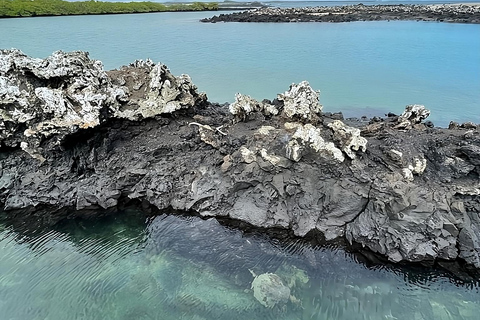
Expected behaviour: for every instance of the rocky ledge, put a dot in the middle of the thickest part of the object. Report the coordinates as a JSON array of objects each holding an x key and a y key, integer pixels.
[
  {"x": 460, "y": 13},
  {"x": 79, "y": 141}
]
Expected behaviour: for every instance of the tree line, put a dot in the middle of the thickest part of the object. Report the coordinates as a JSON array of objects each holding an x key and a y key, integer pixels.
[{"x": 31, "y": 8}]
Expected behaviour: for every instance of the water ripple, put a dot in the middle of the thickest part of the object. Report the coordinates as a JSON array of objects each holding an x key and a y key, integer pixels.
[{"x": 172, "y": 267}]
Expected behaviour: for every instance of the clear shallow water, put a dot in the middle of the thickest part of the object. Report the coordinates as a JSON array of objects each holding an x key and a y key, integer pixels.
[
  {"x": 361, "y": 68},
  {"x": 172, "y": 267}
]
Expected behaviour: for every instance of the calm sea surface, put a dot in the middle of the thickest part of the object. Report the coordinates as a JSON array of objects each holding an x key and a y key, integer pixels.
[
  {"x": 360, "y": 67},
  {"x": 170, "y": 267}
]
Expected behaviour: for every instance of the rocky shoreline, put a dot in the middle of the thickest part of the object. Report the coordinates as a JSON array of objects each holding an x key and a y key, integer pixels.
[
  {"x": 458, "y": 13},
  {"x": 80, "y": 141}
]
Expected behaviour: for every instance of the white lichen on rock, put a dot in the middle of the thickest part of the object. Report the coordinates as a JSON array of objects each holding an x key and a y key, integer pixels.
[
  {"x": 265, "y": 130},
  {"x": 416, "y": 168},
  {"x": 301, "y": 101},
  {"x": 309, "y": 136},
  {"x": 245, "y": 105},
  {"x": 413, "y": 114},
  {"x": 419, "y": 165},
  {"x": 348, "y": 138},
  {"x": 59, "y": 95},
  {"x": 68, "y": 91},
  {"x": 248, "y": 156},
  {"x": 207, "y": 136},
  {"x": 407, "y": 174},
  {"x": 11, "y": 93},
  {"x": 165, "y": 94},
  {"x": 272, "y": 158}
]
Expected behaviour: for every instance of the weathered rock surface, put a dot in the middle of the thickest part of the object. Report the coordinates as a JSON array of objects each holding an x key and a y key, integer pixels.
[
  {"x": 77, "y": 141},
  {"x": 244, "y": 106},
  {"x": 301, "y": 102},
  {"x": 459, "y": 13},
  {"x": 67, "y": 92}
]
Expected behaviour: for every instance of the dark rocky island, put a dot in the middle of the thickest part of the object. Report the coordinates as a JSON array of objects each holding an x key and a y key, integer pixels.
[
  {"x": 459, "y": 13},
  {"x": 78, "y": 141}
]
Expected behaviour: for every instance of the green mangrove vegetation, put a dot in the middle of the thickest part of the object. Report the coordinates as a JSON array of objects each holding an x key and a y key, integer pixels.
[{"x": 31, "y": 8}]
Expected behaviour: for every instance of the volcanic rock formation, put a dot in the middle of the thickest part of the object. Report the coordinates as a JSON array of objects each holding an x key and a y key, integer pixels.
[
  {"x": 458, "y": 13},
  {"x": 80, "y": 141}
]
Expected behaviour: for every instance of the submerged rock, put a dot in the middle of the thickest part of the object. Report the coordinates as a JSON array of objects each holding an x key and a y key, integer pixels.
[{"x": 141, "y": 135}]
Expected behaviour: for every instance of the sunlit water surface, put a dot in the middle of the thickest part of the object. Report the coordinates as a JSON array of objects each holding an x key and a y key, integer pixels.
[
  {"x": 172, "y": 267},
  {"x": 361, "y": 67}
]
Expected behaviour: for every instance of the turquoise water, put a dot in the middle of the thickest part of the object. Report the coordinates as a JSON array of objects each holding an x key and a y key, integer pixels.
[
  {"x": 360, "y": 68},
  {"x": 173, "y": 267},
  {"x": 170, "y": 267}
]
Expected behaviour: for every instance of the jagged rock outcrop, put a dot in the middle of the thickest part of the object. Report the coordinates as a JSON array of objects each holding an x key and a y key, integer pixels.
[
  {"x": 413, "y": 114},
  {"x": 244, "y": 106},
  {"x": 307, "y": 138},
  {"x": 301, "y": 102},
  {"x": 51, "y": 97},
  {"x": 348, "y": 138},
  {"x": 67, "y": 92},
  {"x": 153, "y": 90},
  {"x": 140, "y": 135}
]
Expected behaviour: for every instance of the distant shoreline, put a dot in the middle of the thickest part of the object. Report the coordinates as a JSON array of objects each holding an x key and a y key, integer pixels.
[
  {"x": 454, "y": 13},
  {"x": 47, "y": 8},
  {"x": 38, "y": 8}
]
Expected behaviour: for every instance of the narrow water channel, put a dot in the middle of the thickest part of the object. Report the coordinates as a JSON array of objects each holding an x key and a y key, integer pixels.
[{"x": 174, "y": 267}]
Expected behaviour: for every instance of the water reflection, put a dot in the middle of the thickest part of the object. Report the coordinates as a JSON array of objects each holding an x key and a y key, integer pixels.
[{"x": 173, "y": 267}]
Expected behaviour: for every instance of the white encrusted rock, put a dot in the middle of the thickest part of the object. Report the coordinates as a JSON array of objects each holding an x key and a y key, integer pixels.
[
  {"x": 265, "y": 130},
  {"x": 272, "y": 158},
  {"x": 59, "y": 95},
  {"x": 248, "y": 156},
  {"x": 301, "y": 101},
  {"x": 348, "y": 138},
  {"x": 419, "y": 165},
  {"x": 416, "y": 168},
  {"x": 413, "y": 114},
  {"x": 245, "y": 105},
  {"x": 309, "y": 136},
  {"x": 407, "y": 174},
  {"x": 165, "y": 94},
  {"x": 10, "y": 93},
  {"x": 67, "y": 92}
]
